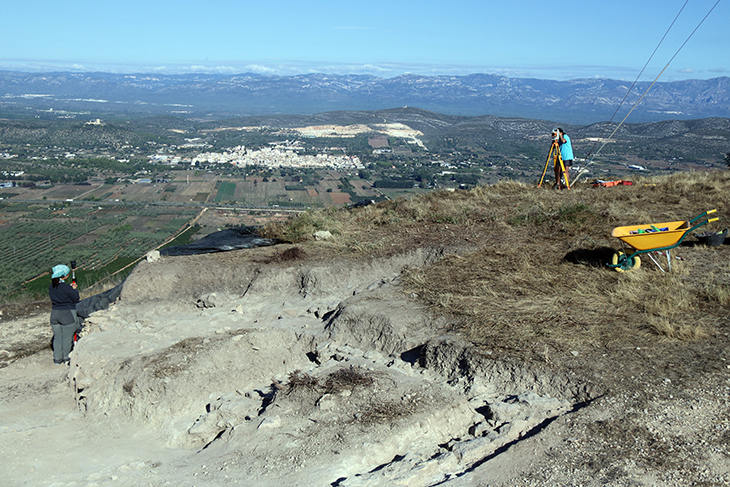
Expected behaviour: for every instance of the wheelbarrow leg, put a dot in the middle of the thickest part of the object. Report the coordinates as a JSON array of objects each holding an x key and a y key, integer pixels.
[{"x": 656, "y": 262}]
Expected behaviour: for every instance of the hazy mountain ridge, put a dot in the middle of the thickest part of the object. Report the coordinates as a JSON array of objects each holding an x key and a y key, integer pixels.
[{"x": 577, "y": 101}]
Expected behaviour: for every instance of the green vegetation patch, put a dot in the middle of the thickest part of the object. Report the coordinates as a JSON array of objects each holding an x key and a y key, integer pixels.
[
  {"x": 184, "y": 238},
  {"x": 226, "y": 190},
  {"x": 95, "y": 238}
]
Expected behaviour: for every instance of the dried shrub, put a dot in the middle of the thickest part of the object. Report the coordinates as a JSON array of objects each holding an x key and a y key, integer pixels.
[
  {"x": 288, "y": 255},
  {"x": 346, "y": 379},
  {"x": 386, "y": 412},
  {"x": 302, "y": 227},
  {"x": 298, "y": 381},
  {"x": 293, "y": 253}
]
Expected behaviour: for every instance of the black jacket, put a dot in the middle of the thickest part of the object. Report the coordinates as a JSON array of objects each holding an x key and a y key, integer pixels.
[{"x": 63, "y": 296}]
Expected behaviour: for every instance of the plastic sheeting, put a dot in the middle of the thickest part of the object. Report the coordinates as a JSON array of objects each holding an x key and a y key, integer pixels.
[
  {"x": 229, "y": 239},
  {"x": 85, "y": 307}
]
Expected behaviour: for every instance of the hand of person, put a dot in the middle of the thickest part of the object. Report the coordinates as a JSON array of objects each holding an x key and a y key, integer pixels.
[{"x": 73, "y": 285}]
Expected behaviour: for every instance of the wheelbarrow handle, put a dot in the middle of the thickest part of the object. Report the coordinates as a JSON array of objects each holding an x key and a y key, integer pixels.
[
  {"x": 703, "y": 215},
  {"x": 695, "y": 227}
]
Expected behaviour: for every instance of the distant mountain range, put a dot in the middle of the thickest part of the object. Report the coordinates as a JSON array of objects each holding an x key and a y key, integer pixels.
[{"x": 584, "y": 101}]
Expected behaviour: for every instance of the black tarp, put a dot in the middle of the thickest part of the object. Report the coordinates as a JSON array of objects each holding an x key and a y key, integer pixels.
[
  {"x": 229, "y": 239},
  {"x": 85, "y": 307}
]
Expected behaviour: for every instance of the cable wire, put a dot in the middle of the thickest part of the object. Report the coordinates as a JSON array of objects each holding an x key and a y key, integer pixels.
[
  {"x": 608, "y": 124},
  {"x": 649, "y": 88}
]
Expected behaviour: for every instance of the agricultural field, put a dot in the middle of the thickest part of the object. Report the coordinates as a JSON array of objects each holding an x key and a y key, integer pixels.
[
  {"x": 256, "y": 192},
  {"x": 36, "y": 236},
  {"x": 225, "y": 191},
  {"x": 104, "y": 227}
]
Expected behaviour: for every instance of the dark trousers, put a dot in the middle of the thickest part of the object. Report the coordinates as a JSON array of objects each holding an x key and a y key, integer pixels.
[{"x": 64, "y": 323}]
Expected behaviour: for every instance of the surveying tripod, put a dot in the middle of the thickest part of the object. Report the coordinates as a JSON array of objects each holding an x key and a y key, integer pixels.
[{"x": 558, "y": 165}]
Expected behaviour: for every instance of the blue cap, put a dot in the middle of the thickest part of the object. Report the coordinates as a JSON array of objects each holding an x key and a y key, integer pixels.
[{"x": 60, "y": 271}]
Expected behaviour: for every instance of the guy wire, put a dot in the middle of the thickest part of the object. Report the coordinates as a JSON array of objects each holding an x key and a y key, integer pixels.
[
  {"x": 636, "y": 80},
  {"x": 649, "y": 88}
]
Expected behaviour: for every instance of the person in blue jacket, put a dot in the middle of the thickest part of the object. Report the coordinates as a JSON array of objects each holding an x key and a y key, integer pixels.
[
  {"x": 566, "y": 153},
  {"x": 64, "y": 321}
]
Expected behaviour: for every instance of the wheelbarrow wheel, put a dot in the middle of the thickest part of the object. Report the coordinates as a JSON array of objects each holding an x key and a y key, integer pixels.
[{"x": 623, "y": 263}]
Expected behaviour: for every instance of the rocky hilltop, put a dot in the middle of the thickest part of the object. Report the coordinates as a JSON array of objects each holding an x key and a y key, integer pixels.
[{"x": 463, "y": 339}]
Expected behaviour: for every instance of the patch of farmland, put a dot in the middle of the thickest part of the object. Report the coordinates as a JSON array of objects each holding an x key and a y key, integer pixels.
[
  {"x": 38, "y": 236},
  {"x": 86, "y": 239},
  {"x": 61, "y": 192},
  {"x": 108, "y": 210},
  {"x": 340, "y": 198},
  {"x": 141, "y": 223},
  {"x": 360, "y": 191},
  {"x": 226, "y": 191},
  {"x": 101, "y": 192},
  {"x": 192, "y": 188},
  {"x": 142, "y": 192},
  {"x": 259, "y": 193}
]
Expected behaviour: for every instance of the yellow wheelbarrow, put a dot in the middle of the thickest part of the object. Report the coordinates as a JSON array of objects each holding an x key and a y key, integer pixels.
[{"x": 652, "y": 237}]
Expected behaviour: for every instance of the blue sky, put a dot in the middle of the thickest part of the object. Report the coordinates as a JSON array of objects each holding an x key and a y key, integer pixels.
[{"x": 517, "y": 38}]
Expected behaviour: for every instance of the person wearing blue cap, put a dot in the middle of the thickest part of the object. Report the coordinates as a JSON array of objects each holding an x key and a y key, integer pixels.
[{"x": 64, "y": 321}]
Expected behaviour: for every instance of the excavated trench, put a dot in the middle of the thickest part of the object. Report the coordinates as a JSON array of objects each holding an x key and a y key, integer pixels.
[{"x": 311, "y": 376}]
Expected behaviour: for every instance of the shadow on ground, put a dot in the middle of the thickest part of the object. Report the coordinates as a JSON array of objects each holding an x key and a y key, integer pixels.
[{"x": 592, "y": 258}]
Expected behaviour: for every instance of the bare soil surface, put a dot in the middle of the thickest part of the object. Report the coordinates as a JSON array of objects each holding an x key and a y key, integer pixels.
[{"x": 306, "y": 365}]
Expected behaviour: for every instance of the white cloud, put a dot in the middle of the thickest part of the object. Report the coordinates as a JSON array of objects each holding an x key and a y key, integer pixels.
[
  {"x": 214, "y": 69},
  {"x": 717, "y": 70},
  {"x": 373, "y": 68},
  {"x": 260, "y": 69},
  {"x": 686, "y": 71}
]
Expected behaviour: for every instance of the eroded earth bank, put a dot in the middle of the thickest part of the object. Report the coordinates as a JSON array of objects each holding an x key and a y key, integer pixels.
[{"x": 259, "y": 368}]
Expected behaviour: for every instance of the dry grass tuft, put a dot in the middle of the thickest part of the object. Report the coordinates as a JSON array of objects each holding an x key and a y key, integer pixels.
[
  {"x": 719, "y": 293},
  {"x": 302, "y": 227},
  {"x": 682, "y": 331},
  {"x": 294, "y": 253}
]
